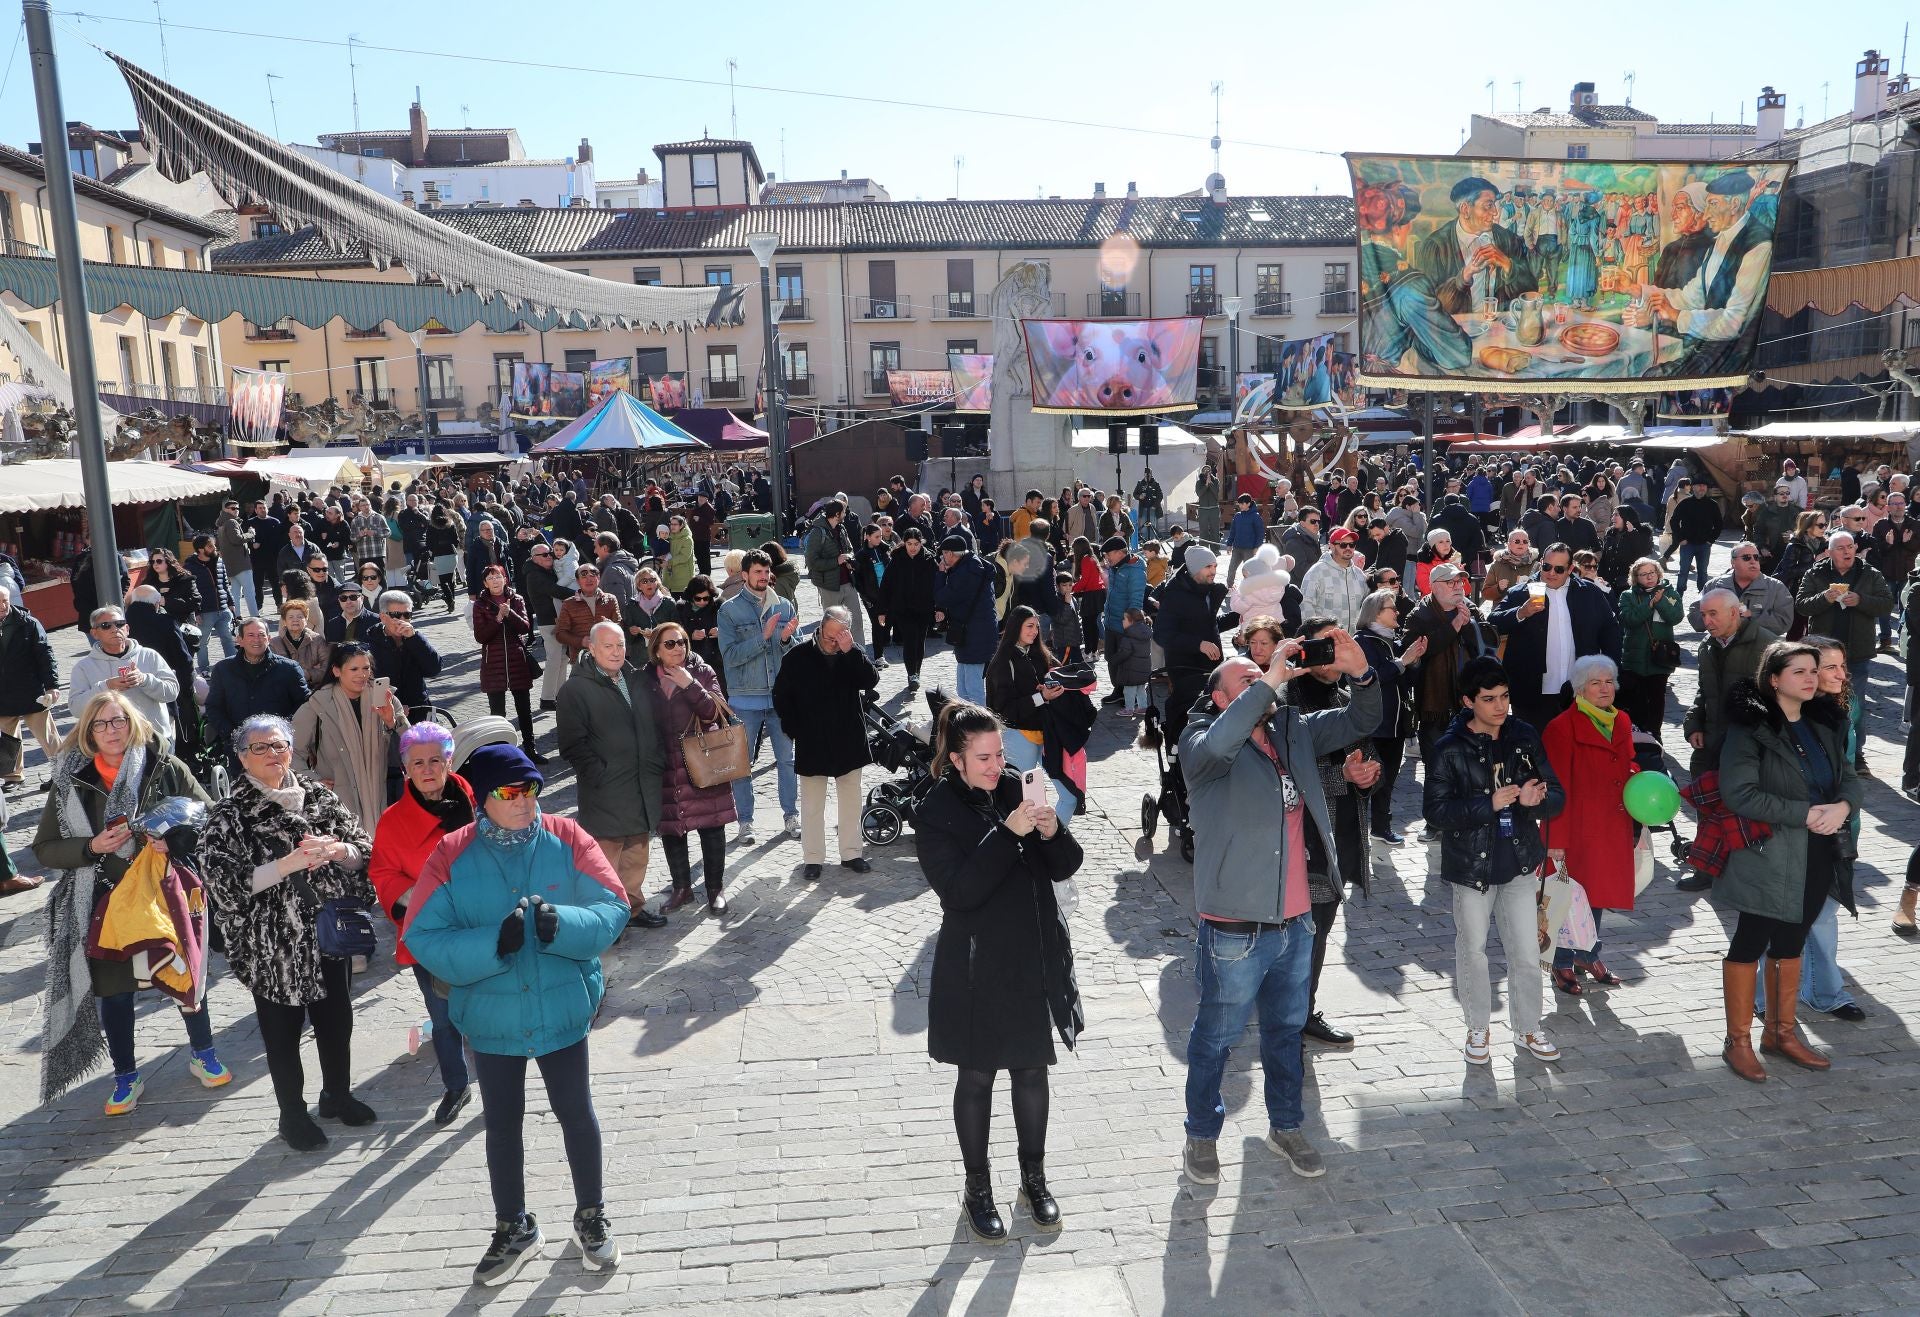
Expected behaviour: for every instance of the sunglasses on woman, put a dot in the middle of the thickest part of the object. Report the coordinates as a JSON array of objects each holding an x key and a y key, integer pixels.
[
  {"x": 516, "y": 791},
  {"x": 674, "y": 642}
]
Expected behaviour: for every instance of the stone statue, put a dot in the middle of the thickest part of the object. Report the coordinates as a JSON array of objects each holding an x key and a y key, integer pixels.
[{"x": 1024, "y": 292}]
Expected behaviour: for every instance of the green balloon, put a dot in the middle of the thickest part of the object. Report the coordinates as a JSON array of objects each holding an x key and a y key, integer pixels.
[{"x": 1651, "y": 798}]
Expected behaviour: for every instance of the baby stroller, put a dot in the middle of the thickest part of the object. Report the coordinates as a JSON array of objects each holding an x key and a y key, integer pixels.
[
  {"x": 900, "y": 750},
  {"x": 1170, "y": 802}
]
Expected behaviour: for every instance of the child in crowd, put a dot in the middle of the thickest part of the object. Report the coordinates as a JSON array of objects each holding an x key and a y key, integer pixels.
[
  {"x": 1131, "y": 662},
  {"x": 1069, "y": 642},
  {"x": 1154, "y": 554}
]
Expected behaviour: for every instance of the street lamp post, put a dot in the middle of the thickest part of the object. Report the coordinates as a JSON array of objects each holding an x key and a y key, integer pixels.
[
  {"x": 91, "y": 446},
  {"x": 762, "y": 245},
  {"x": 419, "y": 337},
  {"x": 1232, "y": 306}
]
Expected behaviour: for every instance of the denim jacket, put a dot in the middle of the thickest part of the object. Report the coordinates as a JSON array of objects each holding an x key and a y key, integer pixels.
[{"x": 752, "y": 658}]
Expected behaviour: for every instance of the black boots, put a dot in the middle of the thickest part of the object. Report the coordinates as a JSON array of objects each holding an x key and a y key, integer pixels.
[
  {"x": 983, "y": 1218},
  {"x": 1034, "y": 1193}
]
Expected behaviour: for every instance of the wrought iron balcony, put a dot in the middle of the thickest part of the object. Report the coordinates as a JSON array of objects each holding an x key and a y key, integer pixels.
[
  {"x": 791, "y": 308},
  {"x": 1115, "y": 302},
  {"x": 1340, "y": 303},
  {"x": 1204, "y": 302},
  {"x": 722, "y": 387},
  {"x": 961, "y": 306},
  {"x": 1273, "y": 304},
  {"x": 884, "y": 308}
]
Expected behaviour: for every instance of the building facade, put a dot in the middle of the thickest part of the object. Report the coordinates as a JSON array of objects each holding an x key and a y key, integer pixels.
[
  {"x": 858, "y": 288},
  {"x": 1589, "y": 130},
  {"x": 455, "y": 167}
]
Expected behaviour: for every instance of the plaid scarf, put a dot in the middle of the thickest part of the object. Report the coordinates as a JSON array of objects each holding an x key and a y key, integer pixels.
[{"x": 1722, "y": 832}]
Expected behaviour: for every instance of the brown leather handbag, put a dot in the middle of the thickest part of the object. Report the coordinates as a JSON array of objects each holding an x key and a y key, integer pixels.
[{"x": 717, "y": 756}]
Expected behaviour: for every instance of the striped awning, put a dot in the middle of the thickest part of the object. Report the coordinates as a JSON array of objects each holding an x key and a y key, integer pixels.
[
  {"x": 1873, "y": 286},
  {"x": 264, "y": 299}
]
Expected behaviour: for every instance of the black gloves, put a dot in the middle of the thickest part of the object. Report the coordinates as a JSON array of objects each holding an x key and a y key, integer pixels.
[
  {"x": 546, "y": 920},
  {"x": 513, "y": 931}
]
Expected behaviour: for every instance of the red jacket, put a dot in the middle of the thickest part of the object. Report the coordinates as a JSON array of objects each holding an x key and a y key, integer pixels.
[
  {"x": 404, "y": 838},
  {"x": 1594, "y": 829},
  {"x": 503, "y": 645},
  {"x": 1091, "y": 578}
]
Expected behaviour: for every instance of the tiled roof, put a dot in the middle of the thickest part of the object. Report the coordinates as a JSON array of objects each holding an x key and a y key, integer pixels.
[
  {"x": 1705, "y": 130},
  {"x": 21, "y": 162},
  {"x": 554, "y": 234},
  {"x": 1596, "y": 114},
  {"x": 1539, "y": 119},
  {"x": 661, "y": 149},
  {"x": 406, "y": 134}
]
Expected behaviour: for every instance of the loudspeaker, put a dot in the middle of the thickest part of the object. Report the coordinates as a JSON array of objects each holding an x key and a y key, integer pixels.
[
  {"x": 1149, "y": 440},
  {"x": 1116, "y": 439},
  {"x": 953, "y": 441},
  {"x": 916, "y": 445}
]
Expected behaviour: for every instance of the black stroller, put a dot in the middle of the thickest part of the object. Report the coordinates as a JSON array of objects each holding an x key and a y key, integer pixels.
[
  {"x": 1170, "y": 802},
  {"x": 895, "y": 747}
]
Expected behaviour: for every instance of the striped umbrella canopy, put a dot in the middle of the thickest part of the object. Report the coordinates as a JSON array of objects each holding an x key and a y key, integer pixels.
[{"x": 620, "y": 422}]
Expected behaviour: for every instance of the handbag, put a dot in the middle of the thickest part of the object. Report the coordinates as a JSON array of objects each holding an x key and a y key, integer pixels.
[
  {"x": 1642, "y": 861},
  {"x": 1664, "y": 653},
  {"x": 718, "y": 756},
  {"x": 342, "y": 926}
]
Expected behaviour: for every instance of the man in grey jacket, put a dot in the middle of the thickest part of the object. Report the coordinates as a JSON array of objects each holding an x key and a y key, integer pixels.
[
  {"x": 829, "y": 557},
  {"x": 119, "y": 662},
  {"x": 1257, "y": 809},
  {"x": 1766, "y": 598}
]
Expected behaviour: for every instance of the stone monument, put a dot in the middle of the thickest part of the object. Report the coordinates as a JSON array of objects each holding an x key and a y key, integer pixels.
[{"x": 1029, "y": 449}]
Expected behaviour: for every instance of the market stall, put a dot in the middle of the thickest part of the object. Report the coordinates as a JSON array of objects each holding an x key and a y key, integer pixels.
[
  {"x": 43, "y": 523},
  {"x": 1822, "y": 449}
]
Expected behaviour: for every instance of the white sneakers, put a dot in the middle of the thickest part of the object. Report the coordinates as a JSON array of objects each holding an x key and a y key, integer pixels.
[{"x": 1479, "y": 1051}]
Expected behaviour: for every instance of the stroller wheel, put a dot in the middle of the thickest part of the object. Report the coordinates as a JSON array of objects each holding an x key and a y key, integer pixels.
[
  {"x": 878, "y": 794},
  {"x": 1186, "y": 847},
  {"x": 1149, "y": 815},
  {"x": 880, "y": 825}
]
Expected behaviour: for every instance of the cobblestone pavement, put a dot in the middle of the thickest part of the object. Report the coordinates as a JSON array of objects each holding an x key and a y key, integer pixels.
[{"x": 777, "y": 1138}]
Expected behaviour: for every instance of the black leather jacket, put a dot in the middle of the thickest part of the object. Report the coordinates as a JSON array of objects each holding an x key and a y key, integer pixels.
[{"x": 1458, "y": 799}]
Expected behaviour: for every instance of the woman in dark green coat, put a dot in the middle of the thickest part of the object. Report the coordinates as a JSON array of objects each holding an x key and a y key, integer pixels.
[
  {"x": 1785, "y": 764},
  {"x": 1649, "y": 611}
]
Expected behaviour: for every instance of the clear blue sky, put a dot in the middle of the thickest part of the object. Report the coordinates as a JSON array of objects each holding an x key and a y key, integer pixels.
[{"x": 1293, "y": 77}]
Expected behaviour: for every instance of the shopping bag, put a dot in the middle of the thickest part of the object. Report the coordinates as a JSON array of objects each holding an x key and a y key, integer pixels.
[
  {"x": 1642, "y": 861},
  {"x": 1556, "y": 895}
]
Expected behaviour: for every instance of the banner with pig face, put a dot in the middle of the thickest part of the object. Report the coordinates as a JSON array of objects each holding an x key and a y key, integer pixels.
[{"x": 1133, "y": 366}]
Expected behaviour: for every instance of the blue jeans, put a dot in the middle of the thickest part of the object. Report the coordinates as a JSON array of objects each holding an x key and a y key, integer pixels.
[
  {"x": 1270, "y": 970},
  {"x": 1857, "y": 671},
  {"x": 1134, "y": 698},
  {"x": 218, "y": 623},
  {"x": 970, "y": 682},
  {"x": 448, "y": 1046},
  {"x": 1023, "y": 754},
  {"x": 116, "y": 1021},
  {"x": 754, "y": 720},
  {"x": 1695, "y": 554},
  {"x": 243, "y": 599},
  {"x": 1821, "y": 986}
]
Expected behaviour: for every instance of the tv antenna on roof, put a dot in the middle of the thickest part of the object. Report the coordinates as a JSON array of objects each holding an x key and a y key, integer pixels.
[
  {"x": 733, "y": 111},
  {"x": 1489, "y": 95},
  {"x": 353, "y": 77},
  {"x": 958, "y": 161},
  {"x": 160, "y": 21},
  {"x": 463, "y": 117},
  {"x": 1216, "y": 87},
  {"x": 1629, "y": 75},
  {"x": 1517, "y": 83},
  {"x": 273, "y": 104}
]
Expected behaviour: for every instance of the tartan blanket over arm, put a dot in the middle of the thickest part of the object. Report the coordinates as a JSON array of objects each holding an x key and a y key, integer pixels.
[{"x": 1722, "y": 832}]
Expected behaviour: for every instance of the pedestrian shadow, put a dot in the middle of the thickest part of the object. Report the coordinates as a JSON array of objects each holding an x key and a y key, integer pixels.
[
  {"x": 957, "y": 1288},
  {"x": 1210, "y": 1265}
]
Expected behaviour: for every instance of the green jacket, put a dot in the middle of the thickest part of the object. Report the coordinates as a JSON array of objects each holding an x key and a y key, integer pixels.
[
  {"x": 615, "y": 750},
  {"x": 1720, "y": 667},
  {"x": 825, "y": 544},
  {"x": 1773, "y": 526},
  {"x": 1760, "y": 779},
  {"x": 1641, "y": 622},
  {"x": 1855, "y": 627}
]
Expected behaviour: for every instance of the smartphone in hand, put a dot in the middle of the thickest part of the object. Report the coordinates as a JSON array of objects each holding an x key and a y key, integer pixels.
[{"x": 1033, "y": 788}]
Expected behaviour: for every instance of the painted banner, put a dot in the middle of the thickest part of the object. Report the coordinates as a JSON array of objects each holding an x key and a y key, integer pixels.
[
  {"x": 1113, "y": 365},
  {"x": 532, "y": 389},
  {"x": 1695, "y": 403},
  {"x": 972, "y": 381},
  {"x": 669, "y": 392},
  {"x": 255, "y": 402},
  {"x": 614, "y": 375},
  {"x": 1564, "y": 275},
  {"x": 568, "y": 392},
  {"x": 909, "y": 387},
  {"x": 1310, "y": 373}
]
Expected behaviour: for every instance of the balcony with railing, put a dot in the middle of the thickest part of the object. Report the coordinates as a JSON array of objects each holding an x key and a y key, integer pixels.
[
  {"x": 720, "y": 386},
  {"x": 355, "y": 335},
  {"x": 15, "y": 247},
  {"x": 787, "y": 309},
  {"x": 798, "y": 386},
  {"x": 877, "y": 384},
  {"x": 371, "y": 397},
  {"x": 280, "y": 332},
  {"x": 896, "y": 307},
  {"x": 1273, "y": 304},
  {"x": 961, "y": 306},
  {"x": 1342, "y": 302},
  {"x": 445, "y": 397},
  {"x": 1204, "y": 302},
  {"x": 1114, "y": 302}
]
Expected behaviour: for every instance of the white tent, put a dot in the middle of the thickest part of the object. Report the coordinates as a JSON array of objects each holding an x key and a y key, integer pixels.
[
  {"x": 1178, "y": 462},
  {"x": 56, "y": 483},
  {"x": 312, "y": 470}
]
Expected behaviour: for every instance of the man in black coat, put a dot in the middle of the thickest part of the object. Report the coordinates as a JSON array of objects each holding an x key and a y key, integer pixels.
[
  {"x": 1551, "y": 619},
  {"x": 1696, "y": 524},
  {"x": 252, "y": 681},
  {"x": 27, "y": 675},
  {"x": 1576, "y": 532},
  {"x": 1187, "y": 626},
  {"x": 818, "y": 696},
  {"x": 1385, "y": 546},
  {"x": 402, "y": 655}
]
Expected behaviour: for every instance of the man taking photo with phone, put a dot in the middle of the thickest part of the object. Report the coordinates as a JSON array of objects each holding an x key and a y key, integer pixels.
[{"x": 1258, "y": 811}]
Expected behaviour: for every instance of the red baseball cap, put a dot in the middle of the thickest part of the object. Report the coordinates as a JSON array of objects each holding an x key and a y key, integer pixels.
[{"x": 1344, "y": 535}]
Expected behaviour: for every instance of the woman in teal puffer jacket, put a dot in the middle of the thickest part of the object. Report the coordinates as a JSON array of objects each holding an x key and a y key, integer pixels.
[{"x": 512, "y": 913}]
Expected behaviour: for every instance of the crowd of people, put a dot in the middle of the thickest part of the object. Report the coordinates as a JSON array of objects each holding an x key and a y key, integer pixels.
[{"x": 1299, "y": 649}]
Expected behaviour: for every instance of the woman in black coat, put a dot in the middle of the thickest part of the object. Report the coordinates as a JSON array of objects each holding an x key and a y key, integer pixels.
[
  {"x": 1002, "y": 963},
  {"x": 908, "y": 591},
  {"x": 1379, "y": 632},
  {"x": 1627, "y": 542},
  {"x": 700, "y": 615}
]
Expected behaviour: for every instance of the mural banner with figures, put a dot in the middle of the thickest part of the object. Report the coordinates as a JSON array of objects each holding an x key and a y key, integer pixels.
[
  {"x": 915, "y": 387},
  {"x": 1113, "y": 365},
  {"x": 972, "y": 381},
  {"x": 1308, "y": 373},
  {"x": 568, "y": 392},
  {"x": 614, "y": 375},
  {"x": 1562, "y": 275},
  {"x": 532, "y": 390}
]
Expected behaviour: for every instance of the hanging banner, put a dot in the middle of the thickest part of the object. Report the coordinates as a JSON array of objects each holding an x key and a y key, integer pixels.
[
  {"x": 532, "y": 390},
  {"x": 910, "y": 387},
  {"x": 972, "y": 381},
  {"x": 1310, "y": 373},
  {"x": 567, "y": 392},
  {"x": 1113, "y": 365},
  {"x": 255, "y": 401},
  {"x": 1565, "y": 275},
  {"x": 1694, "y": 404},
  {"x": 669, "y": 392},
  {"x": 614, "y": 375}
]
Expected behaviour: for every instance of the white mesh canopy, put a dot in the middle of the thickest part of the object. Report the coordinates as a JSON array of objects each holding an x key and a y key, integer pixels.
[{"x": 187, "y": 135}]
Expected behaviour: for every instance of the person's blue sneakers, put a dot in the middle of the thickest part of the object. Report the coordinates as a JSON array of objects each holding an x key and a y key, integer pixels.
[
  {"x": 206, "y": 1067},
  {"x": 126, "y": 1093}
]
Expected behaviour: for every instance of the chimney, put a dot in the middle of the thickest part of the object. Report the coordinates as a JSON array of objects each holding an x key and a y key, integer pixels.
[
  {"x": 1583, "y": 97},
  {"x": 1133, "y": 193},
  {"x": 1898, "y": 85},
  {"x": 1217, "y": 188},
  {"x": 643, "y": 178},
  {"x": 1770, "y": 116},
  {"x": 843, "y": 176},
  {"x": 1869, "y": 86},
  {"x": 1100, "y": 191},
  {"x": 585, "y": 154},
  {"x": 416, "y": 135}
]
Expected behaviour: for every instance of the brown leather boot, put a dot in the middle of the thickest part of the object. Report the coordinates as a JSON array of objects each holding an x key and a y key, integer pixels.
[
  {"x": 1783, "y": 1000},
  {"x": 1736, "y": 987}
]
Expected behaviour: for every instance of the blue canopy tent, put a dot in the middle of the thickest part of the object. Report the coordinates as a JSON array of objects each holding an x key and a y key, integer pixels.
[{"x": 620, "y": 422}]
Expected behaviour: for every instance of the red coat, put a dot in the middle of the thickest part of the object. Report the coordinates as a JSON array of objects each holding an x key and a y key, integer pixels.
[
  {"x": 402, "y": 841},
  {"x": 1594, "y": 829},
  {"x": 503, "y": 645},
  {"x": 684, "y": 807}
]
